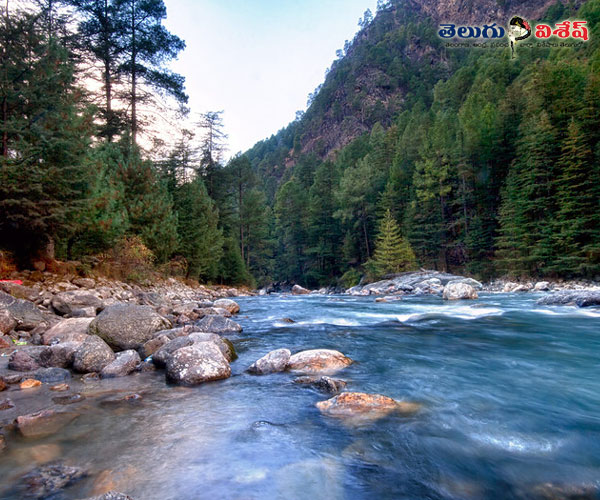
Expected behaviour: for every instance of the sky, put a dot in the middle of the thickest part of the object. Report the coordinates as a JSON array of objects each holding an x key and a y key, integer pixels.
[{"x": 257, "y": 60}]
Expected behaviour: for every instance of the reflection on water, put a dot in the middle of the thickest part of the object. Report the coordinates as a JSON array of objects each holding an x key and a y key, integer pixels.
[{"x": 510, "y": 394}]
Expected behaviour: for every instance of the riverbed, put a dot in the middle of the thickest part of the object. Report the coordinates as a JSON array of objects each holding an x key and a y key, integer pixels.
[{"x": 510, "y": 395}]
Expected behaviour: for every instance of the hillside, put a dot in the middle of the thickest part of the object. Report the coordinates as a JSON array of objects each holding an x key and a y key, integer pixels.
[{"x": 486, "y": 164}]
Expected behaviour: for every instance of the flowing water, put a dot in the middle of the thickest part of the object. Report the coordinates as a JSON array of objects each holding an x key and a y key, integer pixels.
[{"x": 510, "y": 394}]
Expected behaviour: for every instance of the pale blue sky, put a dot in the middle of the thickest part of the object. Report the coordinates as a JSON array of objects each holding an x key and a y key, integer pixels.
[{"x": 258, "y": 59}]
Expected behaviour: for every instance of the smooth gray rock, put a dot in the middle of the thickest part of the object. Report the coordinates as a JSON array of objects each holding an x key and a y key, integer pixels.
[
  {"x": 272, "y": 362},
  {"x": 127, "y": 326},
  {"x": 580, "y": 298},
  {"x": 66, "y": 303},
  {"x": 67, "y": 330},
  {"x": 218, "y": 324},
  {"x": 25, "y": 313},
  {"x": 21, "y": 361},
  {"x": 198, "y": 363},
  {"x": 222, "y": 343},
  {"x": 93, "y": 355},
  {"x": 125, "y": 363},
  {"x": 459, "y": 291},
  {"x": 227, "y": 304},
  {"x": 52, "y": 375}
]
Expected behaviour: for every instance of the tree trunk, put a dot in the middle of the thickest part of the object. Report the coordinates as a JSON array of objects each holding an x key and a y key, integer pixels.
[
  {"x": 133, "y": 78},
  {"x": 107, "y": 82}
]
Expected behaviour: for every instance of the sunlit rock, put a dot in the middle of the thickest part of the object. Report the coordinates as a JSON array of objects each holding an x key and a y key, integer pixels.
[
  {"x": 324, "y": 361},
  {"x": 274, "y": 361},
  {"x": 459, "y": 291}
]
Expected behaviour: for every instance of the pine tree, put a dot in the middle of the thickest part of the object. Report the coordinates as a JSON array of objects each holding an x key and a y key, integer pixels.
[
  {"x": 393, "y": 253},
  {"x": 200, "y": 241},
  {"x": 577, "y": 231},
  {"x": 46, "y": 134}
]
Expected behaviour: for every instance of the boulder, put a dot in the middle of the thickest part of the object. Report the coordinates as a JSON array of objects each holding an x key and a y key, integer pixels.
[
  {"x": 52, "y": 375},
  {"x": 198, "y": 363},
  {"x": 580, "y": 298},
  {"x": 274, "y": 361},
  {"x": 25, "y": 313},
  {"x": 324, "y": 361},
  {"x": 93, "y": 355},
  {"x": 227, "y": 304},
  {"x": 218, "y": 324},
  {"x": 542, "y": 286},
  {"x": 459, "y": 291},
  {"x": 162, "y": 355},
  {"x": 298, "y": 290},
  {"x": 367, "y": 407},
  {"x": 48, "y": 481},
  {"x": 521, "y": 288},
  {"x": 153, "y": 345},
  {"x": 127, "y": 326},
  {"x": 60, "y": 355},
  {"x": 19, "y": 291},
  {"x": 84, "y": 282},
  {"x": 43, "y": 423},
  {"x": 212, "y": 311},
  {"x": 222, "y": 343},
  {"x": 324, "y": 384},
  {"x": 21, "y": 361},
  {"x": 7, "y": 322},
  {"x": 68, "y": 303},
  {"x": 125, "y": 363},
  {"x": 67, "y": 330},
  {"x": 509, "y": 287}
]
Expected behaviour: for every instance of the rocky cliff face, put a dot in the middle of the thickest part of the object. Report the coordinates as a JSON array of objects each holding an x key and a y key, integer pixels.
[{"x": 485, "y": 11}]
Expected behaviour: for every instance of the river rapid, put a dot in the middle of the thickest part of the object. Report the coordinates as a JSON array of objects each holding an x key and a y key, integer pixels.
[{"x": 510, "y": 395}]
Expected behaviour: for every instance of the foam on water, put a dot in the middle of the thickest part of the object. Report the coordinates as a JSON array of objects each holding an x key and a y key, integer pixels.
[{"x": 518, "y": 443}]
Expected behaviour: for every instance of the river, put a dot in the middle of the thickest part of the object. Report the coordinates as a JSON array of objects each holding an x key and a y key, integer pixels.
[{"x": 510, "y": 394}]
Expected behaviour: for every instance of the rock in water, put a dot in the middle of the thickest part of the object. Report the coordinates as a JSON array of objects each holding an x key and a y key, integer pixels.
[
  {"x": 459, "y": 291},
  {"x": 542, "y": 286},
  {"x": 52, "y": 375},
  {"x": 299, "y": 290},
  {"x": 127, "y": 326},
  {"x": 162, "y": 355},
  {"x": 20, "y": 361},
  {"x": 363, "y": 407},
  {"x": 228, "y": 304},
  {"x": 325, "y": 384},
  {"x": 60, "y": 355},
  {"x": 43, "y": 423},
  {"x": 222, "y": 343},
  {"x": 198, "y": 363},
  {"x": 49, "y": 480},
  {"x": 111, "y": 495},
  {"x": 275, "y": 361},
  {"x": 580, "y": 298},
  {"x": 218, "y": 324},
  {"x": 125, "y": 363},
  {"x": 93, "y": 355},
  {"x": 325, "y": 361},
  {"x": 67, "y": 330}
]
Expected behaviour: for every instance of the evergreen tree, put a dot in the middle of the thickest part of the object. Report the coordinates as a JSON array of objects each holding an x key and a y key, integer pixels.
[
  {"x": 45, "y": 132},
  {"x": 393, "y": 253}
]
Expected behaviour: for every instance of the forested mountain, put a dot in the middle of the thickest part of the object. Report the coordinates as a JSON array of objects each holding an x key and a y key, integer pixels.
[{"x": 488, "y": 164}]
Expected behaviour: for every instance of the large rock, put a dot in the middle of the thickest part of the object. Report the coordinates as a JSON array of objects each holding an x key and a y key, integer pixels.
[
  {"x": 298, "y": 290},
  {"x": 542, "y": 286},
  {"x": 162, "y": 355},
  {"x": 274, "y": 361},
  {"x": 218, "y": 324},
  {"x": 198, "y": 363},
  {"x": 43, "y": 423},
  {"x": 7, "y": 322},
  {"x": 580, "y": 298},
  {"x": 59, "y": 355},
  {"x": 27, "y": 315},
  {"x": 222, "y": 343},
  {"x": 325, "y": 361},
  {"x": 228, "y": 304},
  {"x": 76, "y": 303},
  {"x": 21, "y": 361},
  {"x": 364, "y": 407},
  {"x": 127, "y": 326},
  {"x": 67, "y": 330},
  {"x": 459, "y": 291},
  {"x": 93, "y": 355},
  {"x": 125, "y": 363}
]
